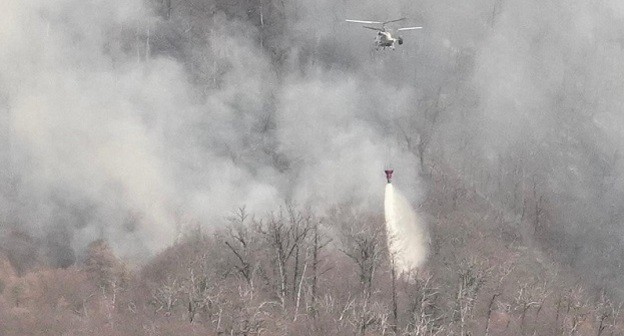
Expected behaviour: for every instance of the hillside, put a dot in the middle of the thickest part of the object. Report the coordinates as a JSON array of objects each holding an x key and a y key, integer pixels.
[
  {"x": 209, "y": 167},
  {"x": 293, "y": 273}
]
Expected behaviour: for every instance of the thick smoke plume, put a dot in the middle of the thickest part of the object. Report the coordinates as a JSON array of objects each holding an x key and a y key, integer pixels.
[
  {"x": 407, "y": 236},
  {"x": 130, "y": 120},
  {"x": 110, "y": 131}
]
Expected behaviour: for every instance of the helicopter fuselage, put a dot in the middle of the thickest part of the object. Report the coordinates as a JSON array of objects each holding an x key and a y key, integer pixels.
[{"x": 385, "y": 39}]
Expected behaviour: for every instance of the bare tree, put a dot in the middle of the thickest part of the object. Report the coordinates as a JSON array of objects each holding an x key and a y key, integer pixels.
[
  {"x": 165, "y": 296},
  {"x": 576, "y": 312},
  {"x": 529, "y": 296},
  {"x": 318, "y": 243},
  {"x": 424, "y": 123},
  {"x": 361, "y": 239},
  {"x": 284, "y": 234},
  {"x": 425, "y": 316},
  {"x": 241, "y": 242},
  {"x": 606, "y": 313},
  {"x": 503, "y": 273},
  {"x": 471, "y": 277}
]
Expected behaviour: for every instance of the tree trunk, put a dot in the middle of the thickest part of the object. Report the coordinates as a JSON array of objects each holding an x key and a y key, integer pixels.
[{"x": 395, "y": 309}]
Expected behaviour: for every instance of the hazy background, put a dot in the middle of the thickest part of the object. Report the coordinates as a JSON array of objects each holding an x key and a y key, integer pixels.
[{"x": 130, "y": 120}]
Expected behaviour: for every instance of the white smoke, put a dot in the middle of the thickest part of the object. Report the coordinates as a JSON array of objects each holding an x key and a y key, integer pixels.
[
  {"x": 111, "y": 134},
  {"x": 407, "y": 236}
]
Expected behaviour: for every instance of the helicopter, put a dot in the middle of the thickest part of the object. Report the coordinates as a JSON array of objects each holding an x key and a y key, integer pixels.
[{"x": 385, "y": 37}]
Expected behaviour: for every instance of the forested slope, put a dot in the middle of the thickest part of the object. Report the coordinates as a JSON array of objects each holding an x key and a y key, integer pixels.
[{"x": 216, "y": 167}]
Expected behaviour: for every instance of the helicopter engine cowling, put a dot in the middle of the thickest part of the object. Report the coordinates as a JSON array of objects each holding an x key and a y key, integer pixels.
[{"x": 400, "y": 40}]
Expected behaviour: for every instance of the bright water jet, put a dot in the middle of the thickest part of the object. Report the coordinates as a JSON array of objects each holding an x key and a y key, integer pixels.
[{"x": 407, "y": 236}]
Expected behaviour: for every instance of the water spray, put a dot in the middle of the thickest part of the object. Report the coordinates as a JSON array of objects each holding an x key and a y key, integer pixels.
[{"x": 407, "y": 235}]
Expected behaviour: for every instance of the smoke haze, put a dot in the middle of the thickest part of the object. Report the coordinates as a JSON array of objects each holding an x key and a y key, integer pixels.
[
  {"x": 127, "y": 121},
  {"x": 107, "y": 137}
]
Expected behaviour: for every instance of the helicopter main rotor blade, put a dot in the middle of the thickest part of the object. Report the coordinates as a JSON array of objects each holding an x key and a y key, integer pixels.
[
  {"x": 373, "y": 28},
  {"x": 361, "y": 21},
  {"x": 401, "y": 19},
  {"x": 409, "y": 28}
]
